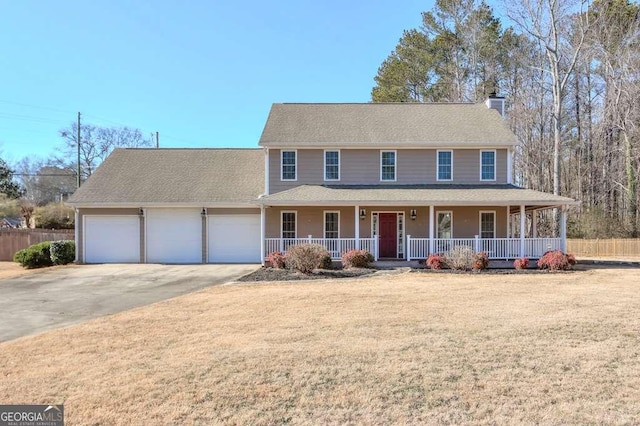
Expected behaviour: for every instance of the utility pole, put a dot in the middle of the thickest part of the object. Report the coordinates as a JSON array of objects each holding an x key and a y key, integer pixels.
[
  {"x": 78, "y": 150},
  {"x": 157, "y": 140}
]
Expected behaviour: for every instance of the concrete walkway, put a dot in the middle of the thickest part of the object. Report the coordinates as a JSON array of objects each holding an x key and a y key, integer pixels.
[{"x": 59, "y": 297}]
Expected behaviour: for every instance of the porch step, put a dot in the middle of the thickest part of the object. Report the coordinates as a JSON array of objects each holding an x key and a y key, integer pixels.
[{"x": 393, "y": 264}]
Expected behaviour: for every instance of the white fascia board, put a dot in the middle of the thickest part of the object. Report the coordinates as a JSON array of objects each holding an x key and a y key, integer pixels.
[
  {"x": 290, "y": 203},
  {"x": 396, "y": 145},
  {"x": 255, "y": 204}
]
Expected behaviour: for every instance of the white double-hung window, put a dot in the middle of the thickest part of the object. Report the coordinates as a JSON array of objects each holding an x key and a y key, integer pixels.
[
  {"x": 388, "y": 166},
  {"x": 487, "y": 165},
  {"x": 331, "y": 165},
  {"x": 289, "y": 169}
]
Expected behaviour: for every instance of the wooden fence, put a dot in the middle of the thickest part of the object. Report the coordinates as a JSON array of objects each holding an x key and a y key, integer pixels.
[
  {"x": 12, "y": 240},
  {"x": 613, "y": 247}
]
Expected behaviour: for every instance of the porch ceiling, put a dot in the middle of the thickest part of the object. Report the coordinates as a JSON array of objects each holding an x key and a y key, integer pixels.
[{"x": 439, "y": 195}]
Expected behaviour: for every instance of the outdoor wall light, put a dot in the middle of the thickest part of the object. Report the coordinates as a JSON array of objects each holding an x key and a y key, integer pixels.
[
  {"x": 414, "y": 214},
  {"x": 141, "y": 212},
  {"x": 363, "y": 214},
  {"x": 203, "y": 212}
]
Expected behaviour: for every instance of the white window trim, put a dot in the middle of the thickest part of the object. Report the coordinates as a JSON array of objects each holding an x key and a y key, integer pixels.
[
  {"x": 295, "y": 214},
  {"x": 395, "y": 165},
  {"x": 480, "y": 221},
  {"x": 495, "y": 165},
  {"x": 282, "y": 151},
  {"x": 324, "y": 222},
  {"x": 324, "y": 156},
  {"x": 438, "y": 212},
  {"x": 438, "y": 165}
]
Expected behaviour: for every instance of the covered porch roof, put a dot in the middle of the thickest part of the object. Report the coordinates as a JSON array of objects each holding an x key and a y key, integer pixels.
[{"x": 437, "y": 195}]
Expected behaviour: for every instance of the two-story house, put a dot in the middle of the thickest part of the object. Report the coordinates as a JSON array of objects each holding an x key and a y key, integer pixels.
[{"x": 400, "y": 180}]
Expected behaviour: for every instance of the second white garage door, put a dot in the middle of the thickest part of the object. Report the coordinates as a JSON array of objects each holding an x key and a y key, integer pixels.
[
  {"x": 174, "y": 236},
  {"x": 234, "y": 238}
]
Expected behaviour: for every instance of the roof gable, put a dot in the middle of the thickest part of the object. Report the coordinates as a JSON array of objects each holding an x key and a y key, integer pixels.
[
  {"x": 385, "y": 124},
  {"x": 204, "y": 177}
]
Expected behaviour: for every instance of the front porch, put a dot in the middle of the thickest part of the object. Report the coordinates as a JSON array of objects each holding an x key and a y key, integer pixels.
[{"x": 421, "y": 248}]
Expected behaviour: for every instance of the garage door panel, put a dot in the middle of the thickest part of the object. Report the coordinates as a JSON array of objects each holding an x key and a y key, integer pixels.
[
  {"x": 234, "y": 238},
  {"x": 174, "y": 236},
  {"x": 111, "y": 239}
]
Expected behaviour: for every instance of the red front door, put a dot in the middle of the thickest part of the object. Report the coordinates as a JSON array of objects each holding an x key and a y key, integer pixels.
[{"x": 388, "y": 232}]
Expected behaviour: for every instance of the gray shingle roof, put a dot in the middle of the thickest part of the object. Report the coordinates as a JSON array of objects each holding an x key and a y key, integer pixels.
[
  {"x": 141, "y": 177},
  {"x": 385, "y": 124},
  {"x": 411, "y": 194}
]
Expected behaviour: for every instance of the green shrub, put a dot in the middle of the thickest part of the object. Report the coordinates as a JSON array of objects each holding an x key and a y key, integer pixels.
[
  {"x": 306, "y": 257},
  {"x": 357, "y": 259},
  {"x": 63, "y": 252},
  {"x": 326, "y": 262},
  {"x": 35, "y": 256}
]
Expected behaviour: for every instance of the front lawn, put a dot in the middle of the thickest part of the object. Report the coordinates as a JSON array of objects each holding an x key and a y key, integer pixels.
[{"x": 391, "y": 348}]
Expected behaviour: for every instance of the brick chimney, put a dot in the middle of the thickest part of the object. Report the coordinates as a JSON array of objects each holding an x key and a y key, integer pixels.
[{"x": 495, "y": 102}]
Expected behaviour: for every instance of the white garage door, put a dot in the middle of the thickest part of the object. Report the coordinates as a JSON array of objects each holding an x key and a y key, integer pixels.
[
  {"x": 174, "y": 236},
  {"x": 234, "y": 238},
  {"x": 111, "y": 239}
]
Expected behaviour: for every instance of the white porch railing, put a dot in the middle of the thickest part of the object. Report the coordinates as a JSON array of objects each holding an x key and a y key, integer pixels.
[
  {"x": 496, "y": 248},
  {"x": 335, "y": 246}
]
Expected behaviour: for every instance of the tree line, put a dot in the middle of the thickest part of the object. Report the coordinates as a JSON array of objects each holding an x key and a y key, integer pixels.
[
  {"x": 569, "y": 72},
  {"x": 35, "y": 188}
]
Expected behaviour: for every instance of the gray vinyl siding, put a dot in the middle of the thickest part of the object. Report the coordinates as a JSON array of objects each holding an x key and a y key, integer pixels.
[{"x": 362, "y": 167}]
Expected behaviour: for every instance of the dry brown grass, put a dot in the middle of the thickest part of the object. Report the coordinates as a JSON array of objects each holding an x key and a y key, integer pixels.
[
  {"x": 408, "y": 348},
  {"x": 12, "y": 269}
]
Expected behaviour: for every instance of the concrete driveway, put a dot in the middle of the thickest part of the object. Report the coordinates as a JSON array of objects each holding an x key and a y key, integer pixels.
[{"x": 68, "y": 295}]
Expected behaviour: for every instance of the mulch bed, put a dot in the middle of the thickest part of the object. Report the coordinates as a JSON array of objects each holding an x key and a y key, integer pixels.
[
  {"x": 272, "y": 274},
  {"x": 491, "y": 271}
]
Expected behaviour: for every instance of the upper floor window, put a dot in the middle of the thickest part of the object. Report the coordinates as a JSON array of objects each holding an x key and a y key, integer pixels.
[
  {"x": 388, "y": 165},
  {"x": 331, "y": 224},
  {"x": 332, "y": 165},
  {"x": 289, "y": 167},
  {"x": 445, "y": 165},
  {"x": 288, "y": 225},
  {"x": 487, "y": 165}
]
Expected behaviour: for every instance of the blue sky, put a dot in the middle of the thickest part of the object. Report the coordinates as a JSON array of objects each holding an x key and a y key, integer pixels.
[{"x": 202, "y": 73}]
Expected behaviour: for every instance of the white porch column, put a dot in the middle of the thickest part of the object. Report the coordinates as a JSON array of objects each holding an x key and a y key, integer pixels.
[
  {"x": 357, "y": 225},
  {"x": 563, "y": 228},
  {"x": 432, "y": 228},
  {"x": 262, "y": 234},
  {"x": 534, "y": 224},
  {"x": 508, "y": 222},
  {"x": 77, "y": 231},
  {"x": 523, "y": 217}
]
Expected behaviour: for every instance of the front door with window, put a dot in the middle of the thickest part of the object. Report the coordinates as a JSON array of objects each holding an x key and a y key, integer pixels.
[{"x": 388, "y": 235}]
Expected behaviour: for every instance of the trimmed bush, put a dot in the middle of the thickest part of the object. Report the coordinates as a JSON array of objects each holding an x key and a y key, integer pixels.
[
  {"x": 35, "y": 256},
  {"x": 521, "y": 263},
  {"x": 306, "y": 257},
  {"x": 460, "y": 258},
  {"x": 277, "y": 260},
  {"x": 63, "y": 252},
  {"x": 556, "y": 261},
  {"x": 435, "y": 261},
  {"x": 356, "y": 259},
  {"x": 326, "y": 262},
  {"x": 480, "y": 261}
]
